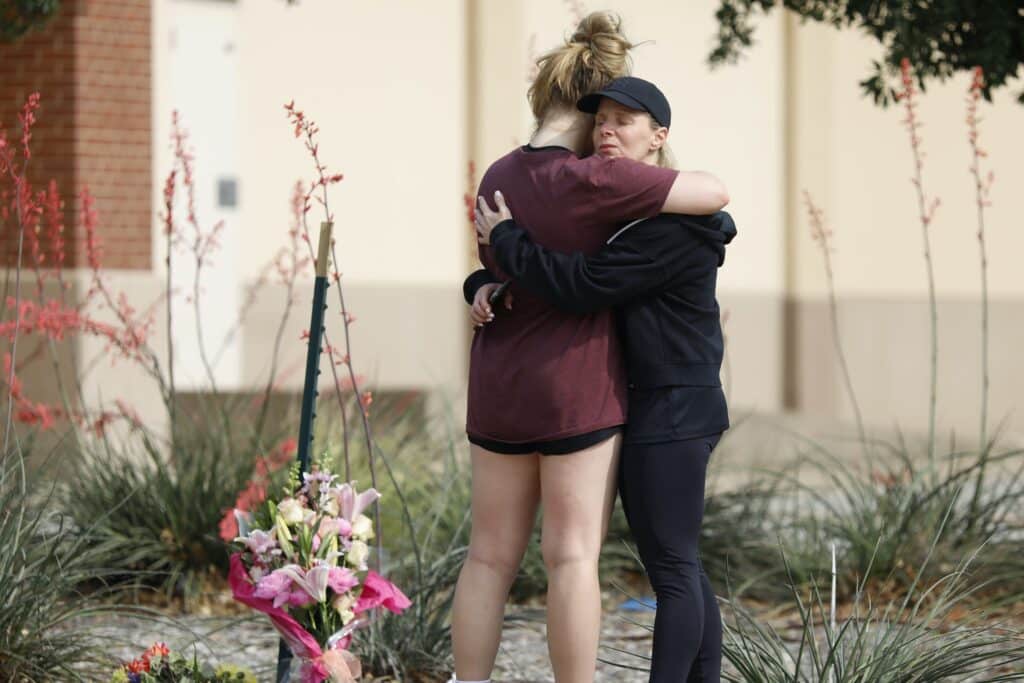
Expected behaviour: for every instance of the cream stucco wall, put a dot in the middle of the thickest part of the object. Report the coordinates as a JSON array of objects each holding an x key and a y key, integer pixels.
[
  {"x": 386, "y": 82},
  {"x": 855, "y": 159}
]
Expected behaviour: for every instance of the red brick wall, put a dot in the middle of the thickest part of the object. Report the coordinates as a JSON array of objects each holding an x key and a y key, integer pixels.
[{"x": 92, "y": 66}]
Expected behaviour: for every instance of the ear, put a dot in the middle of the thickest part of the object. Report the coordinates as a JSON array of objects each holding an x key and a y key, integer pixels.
[{"x": 658, "y": 138}]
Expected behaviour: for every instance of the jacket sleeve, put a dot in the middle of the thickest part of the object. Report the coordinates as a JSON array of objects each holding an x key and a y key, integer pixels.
[
  {"x": 474, "y": 281},
  {"x": 575, "y": 282}
]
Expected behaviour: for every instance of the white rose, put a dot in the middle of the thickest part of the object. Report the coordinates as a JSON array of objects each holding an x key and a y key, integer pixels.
[
  {"x": 291, "y": 511},
  {"x": 357, "y": 554},
  {"x": 344, "y": 604},
  {"x": 362, "y": 527}
]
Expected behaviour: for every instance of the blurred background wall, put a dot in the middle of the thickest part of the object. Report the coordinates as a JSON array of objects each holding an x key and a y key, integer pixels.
[{"x": 408, "y": 93}]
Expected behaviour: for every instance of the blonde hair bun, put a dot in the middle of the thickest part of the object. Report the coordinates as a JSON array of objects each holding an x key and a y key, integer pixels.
[{"x": 595, "y": 55}]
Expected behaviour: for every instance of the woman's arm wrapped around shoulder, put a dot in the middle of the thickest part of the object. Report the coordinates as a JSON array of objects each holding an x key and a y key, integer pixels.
[{"x": 697, "y": 193}]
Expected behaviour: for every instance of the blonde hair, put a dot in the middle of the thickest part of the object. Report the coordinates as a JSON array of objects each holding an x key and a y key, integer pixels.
[
  {"x": 666, "y": 159},
  {"x": 595, "y": 55}
]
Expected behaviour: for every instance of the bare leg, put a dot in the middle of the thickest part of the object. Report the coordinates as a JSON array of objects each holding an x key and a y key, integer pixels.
[
  {"x": 577, "y": 492},
  {"x": 506, "y": 492}
]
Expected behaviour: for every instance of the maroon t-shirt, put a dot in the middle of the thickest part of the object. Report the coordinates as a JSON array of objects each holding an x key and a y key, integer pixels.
[{"x": 537, "y": 373}]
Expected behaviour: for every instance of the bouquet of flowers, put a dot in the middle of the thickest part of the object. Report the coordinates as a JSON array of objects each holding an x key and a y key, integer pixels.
[
  {"x": 159, "y": 665},
  {"x": 303, "y": 564}
]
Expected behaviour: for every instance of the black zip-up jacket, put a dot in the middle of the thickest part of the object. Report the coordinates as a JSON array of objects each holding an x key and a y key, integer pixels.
[{"x": 660, "y": 275}]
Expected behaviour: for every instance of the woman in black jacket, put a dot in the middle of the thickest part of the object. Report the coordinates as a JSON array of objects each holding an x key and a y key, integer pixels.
[{"x": 659, "y": 274}]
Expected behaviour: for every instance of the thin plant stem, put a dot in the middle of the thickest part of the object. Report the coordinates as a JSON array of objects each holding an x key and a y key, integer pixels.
[
  {"x": 17, "y": 325},
  {"x": 364, "y": 412},
  {"x": 75, "y": 368},
  {"x": 197, "y": 310},
  {"x": 981, "y": 194},
  {"x": 200, "y": 244},
  {"x": 172, "y": 395},
  {"x": 290, "y": 276},
  {"x": 20, "y": 182},
  {"x": 926, "y": 213},
  {"x": 821, "y": 234},
  {"x": 309, "y": 129},
  {"x": 51, "y": 347},
  {"x": 274, "y": 358}
]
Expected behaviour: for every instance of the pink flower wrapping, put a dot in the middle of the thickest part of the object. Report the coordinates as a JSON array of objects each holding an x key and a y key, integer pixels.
[
  {"x": 336, "y": 665},
  {"x": 379, "y": 592}
]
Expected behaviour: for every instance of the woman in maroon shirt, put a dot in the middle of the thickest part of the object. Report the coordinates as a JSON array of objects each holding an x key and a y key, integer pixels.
[{"x": 547, "y": 383}]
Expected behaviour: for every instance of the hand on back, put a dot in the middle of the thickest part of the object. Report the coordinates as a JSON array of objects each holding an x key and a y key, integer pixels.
[{"x": 486, "y": 219}]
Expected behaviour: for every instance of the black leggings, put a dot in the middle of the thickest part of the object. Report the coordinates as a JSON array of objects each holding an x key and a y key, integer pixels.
[{"x": 662, "y": 490}]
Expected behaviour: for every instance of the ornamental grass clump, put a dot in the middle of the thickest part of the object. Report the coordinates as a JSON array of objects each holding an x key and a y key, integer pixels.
[
  {"x": 931, "y": 634},
  {"x": 41, "y": 564},
  {"x": 890, "y": 512},
  {"x": 157, "y": 515}
]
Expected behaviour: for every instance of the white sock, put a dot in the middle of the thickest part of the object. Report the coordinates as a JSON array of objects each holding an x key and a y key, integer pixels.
[{"x": 459, "y": 680}]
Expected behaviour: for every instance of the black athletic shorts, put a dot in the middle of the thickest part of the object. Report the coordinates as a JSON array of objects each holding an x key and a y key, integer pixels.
[{"x": 569, "y": 444}]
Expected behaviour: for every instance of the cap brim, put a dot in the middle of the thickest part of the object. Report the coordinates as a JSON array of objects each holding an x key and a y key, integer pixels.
[{"x": 590, "y": 103}]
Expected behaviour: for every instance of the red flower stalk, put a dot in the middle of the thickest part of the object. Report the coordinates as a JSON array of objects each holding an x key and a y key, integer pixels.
[
  {"x": 184, "y": 158},
  {"x": 5, "y": 153},
  {"x": 54, "y": 218},
  {"x": 982, "y": 188},
  {"x": 926, "y": 211},
  {"x": 305, "y": 126},
  {"x": 820, "y": 232},
  {"x": 30, "y": 226},
  {"x": 168, "y": 214},
  {"x": 27, "y": 117},
  {"x": 469, "y": 197},
  {"x": 54, "y": 320},
  {"x": 88, "y": 218},
  {"x": 26, "y": 410},
  {"x": 983, "y": 183}
]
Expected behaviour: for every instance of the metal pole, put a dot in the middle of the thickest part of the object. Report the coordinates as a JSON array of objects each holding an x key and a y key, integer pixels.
[{"x": 309, "y": 391}]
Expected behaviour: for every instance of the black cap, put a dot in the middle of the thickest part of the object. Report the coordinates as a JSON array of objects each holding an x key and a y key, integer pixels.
[{"x": 635, "y": 93}]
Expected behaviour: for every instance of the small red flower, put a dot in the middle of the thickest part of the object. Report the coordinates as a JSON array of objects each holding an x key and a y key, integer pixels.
[
  {"x": 138, "y": 666},
  {"x": 156, "y": 650}
]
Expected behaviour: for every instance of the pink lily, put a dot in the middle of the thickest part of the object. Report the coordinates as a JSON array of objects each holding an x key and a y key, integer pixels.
[
  {"x": 335, "y": 526},
  {"x": 259, "y": 542},
  {"x": 314, "y": 581},
  {"x": 351, "y": 505}
]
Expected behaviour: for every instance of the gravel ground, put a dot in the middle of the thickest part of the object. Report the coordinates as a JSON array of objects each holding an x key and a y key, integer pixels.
[{"x": 251, "y": 642}]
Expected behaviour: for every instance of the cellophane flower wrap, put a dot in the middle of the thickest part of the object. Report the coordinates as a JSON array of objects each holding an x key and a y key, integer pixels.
[{"x": 303, "y": 562}]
